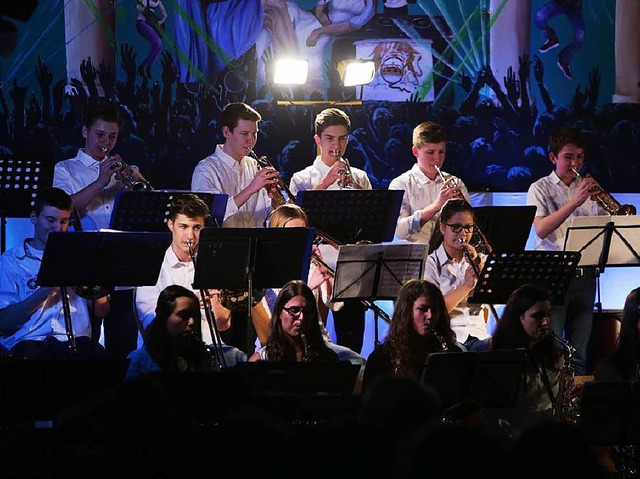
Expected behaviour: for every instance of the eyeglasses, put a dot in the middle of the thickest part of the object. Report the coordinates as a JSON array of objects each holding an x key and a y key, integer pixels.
[
  {"x": 456, "y": 228},
  {"x": 296, "y": 310}
]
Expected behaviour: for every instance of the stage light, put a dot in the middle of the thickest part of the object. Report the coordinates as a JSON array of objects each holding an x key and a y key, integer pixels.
[
  {"x": 290, "y": 71},
  {"x": 358, "y": 72}
]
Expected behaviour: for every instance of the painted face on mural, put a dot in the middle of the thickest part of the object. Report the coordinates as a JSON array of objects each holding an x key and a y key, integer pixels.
[
  {"x": 428, "y": 155},
  {"x": 570, "y": 156},
  {"x": 243, "y": 137},
  {"x": 333, "y": 143},
  {"x": 100, "y": 139}
]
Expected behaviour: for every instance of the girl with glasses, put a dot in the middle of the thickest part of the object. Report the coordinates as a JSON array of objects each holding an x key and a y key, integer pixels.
[
  {"x": 449, "y": 266},
  {"x": 295, "y": 331}
]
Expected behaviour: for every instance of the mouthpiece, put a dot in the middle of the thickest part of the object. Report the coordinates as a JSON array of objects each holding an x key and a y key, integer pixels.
[
  {"x": 104, "y": 149},
  {"x": 335, "y": 153},
  {"x": 461, "y": 240}
]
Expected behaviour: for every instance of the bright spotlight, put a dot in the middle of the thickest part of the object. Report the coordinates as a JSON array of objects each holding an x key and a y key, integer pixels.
[
  {"x": 291, "y": 72},
  {"x": 358, "y": 72}
]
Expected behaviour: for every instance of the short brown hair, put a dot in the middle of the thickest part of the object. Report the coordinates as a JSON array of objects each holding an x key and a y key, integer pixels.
[
  {"x": 428, "y": 132},
  {"x": 234, "y": 112},
  {"x": 190, "y": 205},
  {"x": 331, "y": 117}
]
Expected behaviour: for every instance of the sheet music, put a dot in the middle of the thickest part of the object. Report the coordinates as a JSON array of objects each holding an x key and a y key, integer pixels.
[
  {"x": 584, "y": 229},
  {"x": 357, "y": 265}
]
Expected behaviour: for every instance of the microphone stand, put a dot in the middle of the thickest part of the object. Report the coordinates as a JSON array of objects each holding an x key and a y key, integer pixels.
[{"x": 218, "y": 353}]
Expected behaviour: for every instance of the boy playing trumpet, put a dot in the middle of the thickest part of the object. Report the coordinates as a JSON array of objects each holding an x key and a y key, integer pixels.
[{"x": 560, "y": 197}]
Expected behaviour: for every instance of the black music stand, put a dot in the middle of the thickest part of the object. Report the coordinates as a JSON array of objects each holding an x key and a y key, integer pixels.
[
  {"x": 149, "y": 210},
  {"x": 101, "y": 259},
  {"x": 604, "y": 241},
  {"x": 505, "y": 272},
  {"x": 506, "y": 228},
  {"x": 492, "y": 379},
  {"x": 252, "y": 258},
  {"x": 20, "y": 180},
  {"x": 350, "y": 216},
  {"x": 375, "y": 271},
  {"x": 610, "y": 413}
]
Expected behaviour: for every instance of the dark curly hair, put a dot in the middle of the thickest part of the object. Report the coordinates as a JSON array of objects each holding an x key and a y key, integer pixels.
[
  {"x": 406, "y": 347},
  {"x": 279, "y": 346}
]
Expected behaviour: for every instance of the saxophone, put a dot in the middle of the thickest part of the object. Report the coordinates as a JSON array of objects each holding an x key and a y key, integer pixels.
[{"x": 564, "y": 409}]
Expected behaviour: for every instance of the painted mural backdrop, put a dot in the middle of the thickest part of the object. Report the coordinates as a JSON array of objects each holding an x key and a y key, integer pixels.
[{"x": 499, "y": 75}]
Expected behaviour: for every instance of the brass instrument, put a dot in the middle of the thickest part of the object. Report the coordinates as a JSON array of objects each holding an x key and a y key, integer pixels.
[
  {"x": 608, "y": 202},
  {"x": 483, "y": 243},
  {"x": 365, "y": 302},
  {"x": 279, "y": 193},
  {"x": 129, "y": 178},
  {"x": 564, "y": 408},
  {"x": 346, "y": 176}
]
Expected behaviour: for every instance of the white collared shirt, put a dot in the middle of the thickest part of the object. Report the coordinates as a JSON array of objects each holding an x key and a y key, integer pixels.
[
  {"x": 312, "y": 175},
  {"x": 448, "y": 275},
  {"x": 19, "y": 269},
  {"x": 419, "y": 192},
  {"x": 220, "y": 173},
  {"x": 76, "y": 174},
  {"x": 172, "y": 271},
  {"x": 548, "y": 195}
]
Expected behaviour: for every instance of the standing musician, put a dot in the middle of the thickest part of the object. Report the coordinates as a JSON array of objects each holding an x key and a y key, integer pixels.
[
  {"x": 187, "y": 216},
  {"x": 453, "y": 266},
  {"x": 232, "y": 171},
  {"x": 90, "y": 179},
  {"x": 331, "y": 170},
  {"x": 426, "y": 187},
  {"x": 560, "y": 197},
  {"x": 32, "y": 322}
]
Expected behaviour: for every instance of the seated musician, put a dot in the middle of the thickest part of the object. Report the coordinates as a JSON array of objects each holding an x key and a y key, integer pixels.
[
  {"x": 187, "y": 216},
  {"x": 420, "y": 325},
  {"x": 32, "y": 320},
  {"x": 320, "y": 279},
  {"x": 295, "y": 334},
  {"x": 172, "y": 340},
  {"x": 449, "y": 267}
]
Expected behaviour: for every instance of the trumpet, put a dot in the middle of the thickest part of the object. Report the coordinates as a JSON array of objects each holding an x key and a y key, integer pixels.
[
  {"x": 454, "y": 183},
  {"x": 280, "y": 193},
  {"x": 459, "y": 196},
  {"x": 608, "y": 202},
  {"x": 131, "y": 179},
  {"x": 346, "y": 175}
]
